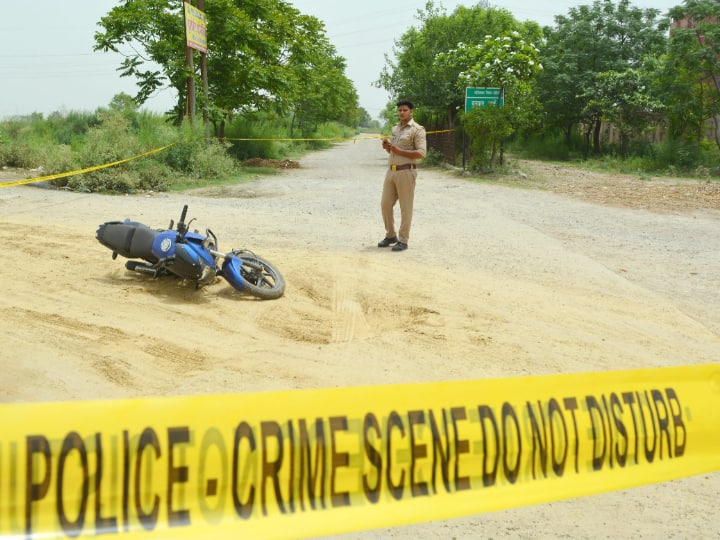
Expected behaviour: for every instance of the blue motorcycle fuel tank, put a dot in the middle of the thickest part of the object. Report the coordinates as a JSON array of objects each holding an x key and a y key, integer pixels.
[
  {"x": 186, "y": 259},
  {"x": 163, "y": 246}
]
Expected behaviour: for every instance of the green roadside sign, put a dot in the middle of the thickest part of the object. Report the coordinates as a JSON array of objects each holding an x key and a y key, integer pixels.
[{"x": 482, "y": 97}]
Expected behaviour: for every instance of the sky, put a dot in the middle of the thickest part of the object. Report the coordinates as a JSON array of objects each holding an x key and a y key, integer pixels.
[{"x": 48, "y": 64}]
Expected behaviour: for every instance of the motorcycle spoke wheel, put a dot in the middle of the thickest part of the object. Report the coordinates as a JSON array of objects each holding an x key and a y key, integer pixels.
[{"x": 261, "y": 279}]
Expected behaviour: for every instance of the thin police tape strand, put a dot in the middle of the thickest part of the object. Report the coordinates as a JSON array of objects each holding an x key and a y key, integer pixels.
[
  {"x": 34, "y": 180},
  {"x": 81, "y": 171},
  {"x": 315, "y": 462},
  {"x": 328, "y": 139}
]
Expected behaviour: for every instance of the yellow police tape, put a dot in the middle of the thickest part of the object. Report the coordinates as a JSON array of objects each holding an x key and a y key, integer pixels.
[
  {"x": 80, "y": 171},
  {"x": 13, "y": 183},
  {"x": 308, "y": 463},
  {"x": 337, "y": 139}
]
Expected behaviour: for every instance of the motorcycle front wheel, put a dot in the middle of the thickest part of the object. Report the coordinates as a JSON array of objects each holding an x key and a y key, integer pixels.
[{"x": 245, "y": 271}]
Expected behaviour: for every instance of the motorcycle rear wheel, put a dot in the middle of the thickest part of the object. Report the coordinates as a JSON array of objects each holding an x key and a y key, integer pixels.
[{"x": 256, "y": 276}]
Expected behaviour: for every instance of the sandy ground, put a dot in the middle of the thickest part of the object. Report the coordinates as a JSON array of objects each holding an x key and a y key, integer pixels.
[{"x": 498, "y": 281}]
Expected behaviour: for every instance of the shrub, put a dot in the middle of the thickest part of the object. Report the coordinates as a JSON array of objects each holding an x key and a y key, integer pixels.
[
  {"x": 152, "y": 175},
  {"x": 213, "y": 161},
  {"x": 180, "y": 156},
  {"x": 102, "y": 181},
  {"x": 71, "y": 126},
  {"x": 59, "y": 159},
  {"x": 550, "y": 147},
  {"x": 189, "y": 140},
  {"x": 434, "y": 158}
]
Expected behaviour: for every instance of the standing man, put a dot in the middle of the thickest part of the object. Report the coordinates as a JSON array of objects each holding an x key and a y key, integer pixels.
[{"x": 408, "y": 143}]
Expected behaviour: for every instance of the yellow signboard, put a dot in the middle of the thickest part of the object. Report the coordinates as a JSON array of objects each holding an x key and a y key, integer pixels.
[{"x": 195, "y": 28}]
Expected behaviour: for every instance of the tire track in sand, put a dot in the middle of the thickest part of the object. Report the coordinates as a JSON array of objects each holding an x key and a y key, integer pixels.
[{"x": 349, "y": 320}]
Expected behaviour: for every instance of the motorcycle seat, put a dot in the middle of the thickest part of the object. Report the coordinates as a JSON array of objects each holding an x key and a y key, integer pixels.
[{"x": 129, "y": 239}]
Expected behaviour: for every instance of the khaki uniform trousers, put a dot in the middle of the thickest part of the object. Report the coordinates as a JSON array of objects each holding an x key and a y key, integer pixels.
[{"x": 398, "y": 186}]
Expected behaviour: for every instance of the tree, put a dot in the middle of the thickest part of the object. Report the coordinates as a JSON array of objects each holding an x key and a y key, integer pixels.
[
  {"x": 331, "y": 97},
  {"x": 509, "y": 63},
  {"x": 627, "y": 103},
  {"x": 415, "y": 75},
  {"x": 589, "y": 41},
  {"x": 366, "y": 121},
  {"x": 153, "y": 32},
  {"x": 689, "y": 76},
  {"x": 259, "y": 52}
]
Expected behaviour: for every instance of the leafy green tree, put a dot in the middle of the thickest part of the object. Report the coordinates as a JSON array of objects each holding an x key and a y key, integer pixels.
[
  {"x": 260, "y": 52},
  {"x": 266, "y": 55},
  {"x": 509, "y": 63},
  {"x": 316, "y": 100},
  {"x": 123, "y": 102},
  {"x": 417, "y": 76},
  {"x": 627, "y": 103},
  {"x": 487, "y": 126},
  {"x": 689, "y": 75},
  {"x": 592, "y": 40},
  {"x": 148, "y": 34},
  {"x": 365, "y": 120}
]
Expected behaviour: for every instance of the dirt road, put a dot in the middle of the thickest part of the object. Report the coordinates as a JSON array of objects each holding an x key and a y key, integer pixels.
[{"x": 497, "y": 282}]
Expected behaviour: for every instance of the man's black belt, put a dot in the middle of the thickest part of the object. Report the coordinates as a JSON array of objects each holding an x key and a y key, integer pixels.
[{"x": 402, "y": 167}]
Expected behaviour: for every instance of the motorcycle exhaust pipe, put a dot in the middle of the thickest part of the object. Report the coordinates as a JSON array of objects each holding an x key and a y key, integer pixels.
[{"x": 141, "y": 268}]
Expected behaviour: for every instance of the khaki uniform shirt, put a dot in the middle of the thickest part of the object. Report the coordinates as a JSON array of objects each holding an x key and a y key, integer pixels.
[{"x": 411, "y": 136}]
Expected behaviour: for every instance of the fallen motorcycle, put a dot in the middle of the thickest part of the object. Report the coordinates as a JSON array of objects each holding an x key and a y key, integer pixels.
[{"x": 190, "y": 256}]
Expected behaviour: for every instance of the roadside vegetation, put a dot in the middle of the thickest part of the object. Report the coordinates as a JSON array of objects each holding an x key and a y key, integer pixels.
[
  {"x": 609, "y": 86},
  {"x": 608, "y": 83},
  {"x": 154, "y": 154}
]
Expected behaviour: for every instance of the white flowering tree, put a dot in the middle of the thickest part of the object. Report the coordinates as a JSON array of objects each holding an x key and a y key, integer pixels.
[{"x": 507, "y": 62}]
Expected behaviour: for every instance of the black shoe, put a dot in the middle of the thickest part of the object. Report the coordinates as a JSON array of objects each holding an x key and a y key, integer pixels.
[
  {"x": 387, "y": 241},
  {"x": 400, "y": 246}
]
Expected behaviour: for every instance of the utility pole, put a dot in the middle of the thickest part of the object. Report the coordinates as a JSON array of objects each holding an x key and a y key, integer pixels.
[{"x": 204, "y": 75}]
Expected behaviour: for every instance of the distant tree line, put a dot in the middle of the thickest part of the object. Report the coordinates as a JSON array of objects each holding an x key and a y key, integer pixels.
[{"x": 601, "y": 64}]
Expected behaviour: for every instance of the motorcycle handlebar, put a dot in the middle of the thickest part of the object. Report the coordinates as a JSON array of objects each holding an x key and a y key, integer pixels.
[{"x": 181, "y": 224}]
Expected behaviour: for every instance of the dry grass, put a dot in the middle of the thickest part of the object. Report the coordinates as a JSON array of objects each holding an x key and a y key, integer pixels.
[{"x": 665, "y": 195}]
